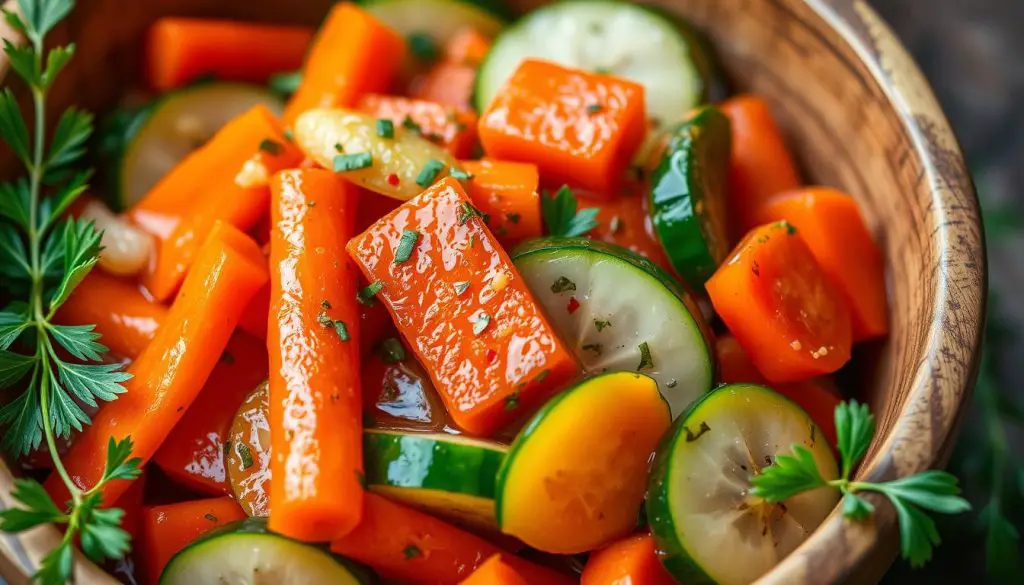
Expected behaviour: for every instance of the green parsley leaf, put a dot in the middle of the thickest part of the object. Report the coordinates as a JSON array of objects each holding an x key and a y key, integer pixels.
[
  {"x": 13, "y": 367},
  {"x": 342, "y": 330},
  {"x": 788, "y": 476},
  {"x": 69, "y": 137},
  {"x": 385, "y": 128},
  {"x": 14, "y": 320},
  {"x": 459, "y": 174},
  {"x": 412, "y": 551},
  {"x": 12, "y": 127},
  {"x": 855, "y": 427},
  {"x": 601, "y": 324},
  {"x": 646, "y": 360},
  {"x": 467, "y": 212},
  {"x": 561, "y": 216},
  {"x": 81, "y": 248},
  {"x": 422, "y": 46},
  {"x": 409, "y": 124},
  {"x": 918, "y": 534},
  {"x": 80, "y": 341},
  {"x": 119, "y": 465},
  {"x": 406, "y": 244},
  {"x": 429, "y": 173},
  {"x": 461, "y": 287},
  {"x": 344, "y": 163},
  {"x": 856, "y": 507},
  {"x": 56, "y": 565},
  {"x": 37, "y": 508},
  {"x": 370, "y": 291},
  {"x": 563, "y": 284},
  {"x": 245, "y": 454}
]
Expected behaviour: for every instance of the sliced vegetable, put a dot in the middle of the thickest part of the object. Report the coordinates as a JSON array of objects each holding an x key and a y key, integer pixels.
[
  {"x": 395, "y": 163},
  {"x": 688, "y": 191},
  {"x": 781, "y": 307},
  {"x": 445, "y": 475},
  {"x": 506, "y": 193},
  {"x": 248, "y": 552},
  {"x": 578, "y": 127},
  {"x": 439, "y": 21},
  {"x": 397, "y": 393},
  {"x": 707, "y": 526},
  {"x": 626, "y": 221},
  {"x": 630, "y": 561},
  {"x": 495, "y": 571},
  {"x": 315, "y": 398},
  {"x": 616, "y": 38},
  {"x": 180, "y": 50},
  {"x": 449, "y": 127},
  {"x": 247, "y": 453},
  {"x": 572, "y": 483},
  {"x": 622, "y": 312},
  {"x": 168, "y": 529}
]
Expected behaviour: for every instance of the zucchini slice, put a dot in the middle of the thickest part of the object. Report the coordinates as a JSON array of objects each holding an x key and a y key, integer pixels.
[
  {"x": 446, "y": 475},
  {"x": 707, "y": 527},
  {"x": 688, "y": 191},
  {"x": 619, "y": 38},
  {"x": 246, "y": 552},
  {"x": 575, "y": 476},
  {"x": 619, "y": 311}
]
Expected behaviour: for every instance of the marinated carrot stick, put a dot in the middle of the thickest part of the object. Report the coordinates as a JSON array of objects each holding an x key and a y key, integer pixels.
[
  {"x": 353, "y": 54},
  {"x": 316, "y": 420},
  {"x": 632, "y": 560},
  {"x": 168, "y": 529},
  {"x": 254, "y": 317},
  {"x": 495, "y": 571},
  {"x": 600, "y": 122},
  {"x": 761, "y": 164},
  {"x": 781, "y": 307},
  {"x": 507, "y": 193},
  {"x": 405, "y": 544},
  {"x": 447, "y": 83},
  {"x": 463, "y": 309},
  {"x": 124, "y": 317},
  {"x": 450, "y": 127},
  {"x": 193, "y": 454},
  {"x": 225, "y": 180},
  {"x": 180, "y": 50},
  {"x": 468, "y": 47},
  {"x": 170, "y": 372},
  {"x": 834, "y": 230}
]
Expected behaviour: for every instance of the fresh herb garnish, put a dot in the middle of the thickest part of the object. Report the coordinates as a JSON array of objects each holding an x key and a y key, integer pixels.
[
  {"x": 601, "y": 324},
  {"x": 412, "y": 551},
  {"x": 461, "y": 287},
  {"x": 370, "y": 291},
  {"x": 391, "y": 350},
  {"x": 459, "y": 174},
  {"x": 429, "y": 173},
  {"x": 422, "y": 46},
  {"x": 561, "y": 216},
  {"x": 285, "y": 84},
  {"x": 342, "y": 330},
  {"x": 467, "y": 212},
  {"x": 563, "y": 284},
  {"x": 646, "y": 360},
  {"x": 245, "y": 454},
  {"x": 594, "y": 108},
  {"x": 513, "y": 217},
  {"x": 480, "y": 323},
  {"x": 409, "y": 124},
  {"x": 324, "y": 319},
  {"x": 385, "y": 128},
  {"x": 270, "y": 146},
  {"x": 406, "y": 245},
  {"x": 932, "y": 490},
  {"x": 352, "y": 162}
]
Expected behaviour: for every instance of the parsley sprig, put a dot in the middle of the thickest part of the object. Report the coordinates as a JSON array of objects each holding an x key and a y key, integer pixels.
[
  {"x": 932, "y": 490},
  {"x": 562, "y": 216},
  {"x": 43, "y": 257}
]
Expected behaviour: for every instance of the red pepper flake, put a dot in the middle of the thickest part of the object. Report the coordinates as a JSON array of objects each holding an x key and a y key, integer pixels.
[
  {"x": 393, "y": 180},
  {"x": 491, "y": 355},
  {"x": 573, "y": 305}
]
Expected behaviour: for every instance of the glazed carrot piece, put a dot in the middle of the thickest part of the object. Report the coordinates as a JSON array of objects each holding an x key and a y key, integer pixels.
[
  {"x": 761, "y": 164},
  {"x": 353, "y": 54},
  {"x": 495, "y": 571},
  {"x": 124, "y": 317},
  {"x": 468, "y": 47},
  {"x": 193, "y": 454},
  {"x": 254, "y": 317},
  {"x": 179, "y": 50},
  {"x": 507, "y": 193},
  {"x": 407, "y": 545},
  {"x": 834, "y": 230},
  {"x": 170, "y": 372},
  {"x": 447, "y": 126},
  {"x": 316, "y": 420},
  {"x": 580, "y": 128},
  {"x": 463, "y": 309},
  {"x": 225, "y": 180},
  {"x": 131, "y": 503},
  {"x": 776, "y": 300},
  {"x": 168, "y": 529},
  {"x": 632, "y": 560},
  {"x": 449, "y": 83},
  {"x": 625, "y": 221}
]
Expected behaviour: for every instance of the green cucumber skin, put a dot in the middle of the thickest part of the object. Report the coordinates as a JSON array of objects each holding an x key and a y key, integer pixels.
[
  {"x": 688, "y": 191},
  {"x": 117, "y": 131},
  {"x": 411, "y": 461}
]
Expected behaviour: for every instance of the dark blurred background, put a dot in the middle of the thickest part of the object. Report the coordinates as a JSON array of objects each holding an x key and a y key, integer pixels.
[{"x": 972, "y": 51}]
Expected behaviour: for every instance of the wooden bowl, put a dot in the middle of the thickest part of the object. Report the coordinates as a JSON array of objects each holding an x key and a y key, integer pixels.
[{"x": 860, "y": 117}]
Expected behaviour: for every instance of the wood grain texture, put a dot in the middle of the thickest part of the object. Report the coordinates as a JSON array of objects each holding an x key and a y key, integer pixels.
[{"x": 860, "y": 117}]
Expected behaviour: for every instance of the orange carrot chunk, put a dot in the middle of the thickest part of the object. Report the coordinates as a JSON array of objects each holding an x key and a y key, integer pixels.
[
  {"x": 316, "y": 423},
  {"x": 630, "y": 561},
  {"x": 168, "y": 375},
  {"x": 495, "y": 571},
  {"x": 450, "y": 127},
  {"x": 464, "y": 310},
  {"x": 407, "y": 545},
  {"x": 508, "y": 193},
  {"x": 626, "y": 221},
  {"x": 225, "y": 180},
  {"x": 180, "y": 50},
  {"x": 834, "y": 230},
  {"x": 447, "y": 83},
  {"x": 579, "y": 128},
  {"x": 166, "y": 530},
  {"x": 468, "y": 47},
  {"x": 761, "y": 164},
  {"x": 779, "y": 304},
  {"x": 193, "y": 454},
  {"x": 353, "y": 54}
]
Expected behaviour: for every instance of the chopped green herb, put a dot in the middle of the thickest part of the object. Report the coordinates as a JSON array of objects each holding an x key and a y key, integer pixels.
[
  {"x": 245, "y": 455},
  {"x": 391, "y": 350},
  {"x": 422, "y": 46},
  {"x": 289, "y": 135},
  {"x": 480, "y": 323},
  {"x": 271, "y": 147},
  {"x": 366, "y": 295},
  {"x": 646, "y": 361},
  {"x": 342, "y": 330},
  {"x": 597, "y": 348},
  {"x": 285, "y": 84},
  {"x": 325, "y": 305},
  {"x": 514, "y": 217},
  {"x": 405, "y": 245},
  {"x": 210, "y": 517},
  {"x": 563, "y": 284},
  {"x": 467, "y": 212},
  {"x": 594, "y": 108},
  {"x": 459, "y": 174},
  {"x": 409, "y": 124},
  {"x": 429, "y": 173},
  {"x": 338, "y": 147},
  {"x": 512, "y": 401},
  {"x": 324, "y": 319},
  {"x": 352, "y": 162},
  {"x": 385, "y": 128},
  {"x": 601, "y": 324},
  {"x": 472, "y": 240},
  {"x": 412, "y": 551},
  {"x": 790, "y": 228},
  {"x": 561, "y": 216},
  {"x": 461, "y": 287}
]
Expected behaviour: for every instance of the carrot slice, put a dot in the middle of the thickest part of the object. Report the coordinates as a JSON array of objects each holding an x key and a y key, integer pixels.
[
  {"x": 353, "y": 54},
  {"x": 495, "y": 571},
  {"x": 179, "y": 50},
  {"x": 626, "y": 221},
  {"x": 468, "y": 46},
  {"x": 507, "y": 193},
  {"x": 834, "y": 230},
  {"x": 579, "y": 128},
  {"x": 193, "y": 453},
  {"x": 448, "y": 126},
  {"x": 225, "y": 180},
  {"x": 449, "y": 83},
  {"x": 316, "y": 421},
  {"x": 761, "y": 164},
  {"x": 168, "y": 529},
  {"x": 408, "y": 545},
  {"x": 168, "y": 375},
  {"x": 124, "y": 317},
  {"x": 781, "y": 307},
  {"x": 632, "y": 560},
  {"x": 465, "y": 311}
]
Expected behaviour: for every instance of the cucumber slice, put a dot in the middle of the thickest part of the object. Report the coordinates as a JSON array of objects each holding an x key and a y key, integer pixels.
[
  {"x": 607, "y": 302},
  {"x": 246, "y": 552},
  {"x": 446, "y": 475},
  {"x": 440, "y": 20},
  {"x": 153, "y": 140},
  {"x": 688, "y": 190},
  {"x": 619, "y": 38},
  {"x": 707, "y": 528}
]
